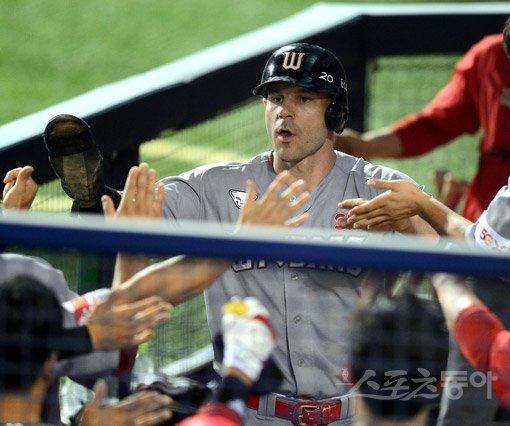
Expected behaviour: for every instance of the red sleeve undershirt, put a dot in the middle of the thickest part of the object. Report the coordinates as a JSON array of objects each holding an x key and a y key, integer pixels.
[
  {"x": 469, "y": 101},
  {"x": 485, "y": 343}
]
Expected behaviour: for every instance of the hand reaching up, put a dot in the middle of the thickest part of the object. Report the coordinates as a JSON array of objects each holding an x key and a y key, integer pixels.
[
  {"x": 284, "y": 197},
  {"x": 20, "y": 189},
  {"x": 142, "y": 196}
]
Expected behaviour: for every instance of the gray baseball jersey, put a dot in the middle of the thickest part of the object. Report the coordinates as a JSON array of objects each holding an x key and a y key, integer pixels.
[{"x": 309, "y": 304}]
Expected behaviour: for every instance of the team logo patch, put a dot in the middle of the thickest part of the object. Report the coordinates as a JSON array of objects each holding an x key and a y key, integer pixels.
[
  {"x": 338, "y": 216},
  {"x": 238, "y": 197},
  {"x": 345, "y": 375},
  {"x": 487, "y": 237},
  {"x": 293, "y": 61}
]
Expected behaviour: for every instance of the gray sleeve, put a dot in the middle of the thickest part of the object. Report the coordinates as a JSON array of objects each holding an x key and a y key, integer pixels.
[
  {"x": 14, "y": 264},
  {"x": 96, "y": 364},
  {"x": 182, "y": 196},
  {"x": 376, "y": 172}
]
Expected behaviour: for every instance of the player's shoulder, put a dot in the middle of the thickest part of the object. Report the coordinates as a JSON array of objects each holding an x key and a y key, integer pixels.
[
  {"x": 12, "y": 265},
  {"x": 262, "y": 160},
  {"x": 487, "y": 47},
  {"x": 488, "y": 42},
  {"x": 24, "y": 263},
  {"x": 226, "y": 170},
  {"x": 363, "y": 169}
]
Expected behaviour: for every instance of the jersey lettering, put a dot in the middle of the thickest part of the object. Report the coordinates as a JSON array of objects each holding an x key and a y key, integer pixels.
[{"x": 243, "y": 265}]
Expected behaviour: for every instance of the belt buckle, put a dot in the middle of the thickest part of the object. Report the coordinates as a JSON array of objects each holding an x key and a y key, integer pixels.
[{"x": 298, "y": 413}]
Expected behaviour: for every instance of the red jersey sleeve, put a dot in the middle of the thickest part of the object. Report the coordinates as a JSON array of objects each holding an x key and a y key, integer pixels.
[
  {"x": 452, "y": 112},
  {"x": 485, "y": 343},
  {"x": 213, "y": 414}
]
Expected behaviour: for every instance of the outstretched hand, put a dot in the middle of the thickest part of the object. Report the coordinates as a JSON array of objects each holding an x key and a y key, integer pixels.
[
  {"x": 141, "y": 409},
  {"x": 284, "y": 197},
  {"x": 388, "y": 211},
  {"x": 142, "y": 196},
  {"x": 20, "y": 189},
  {"x": 114, "y": 325}
]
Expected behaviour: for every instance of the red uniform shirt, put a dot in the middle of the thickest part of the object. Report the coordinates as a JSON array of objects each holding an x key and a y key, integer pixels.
[
  {"x": 485, "y": 343},
  {"x": 477, "y": 97},
  {"x": 213, "y": 414}
]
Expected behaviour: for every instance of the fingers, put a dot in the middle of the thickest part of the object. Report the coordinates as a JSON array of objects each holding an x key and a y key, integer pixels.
[
  {"x": 142, "y": 318},
  {"x": 383, "y": 184},
  {"x": 20, "y": 189},
  {"x": 290, "y": 199},
  {"x": 149, "y": 183},
  {"x": 284, "y": 197},
  {"x": 108, "y": 206},
  {"x": 142, "y": 197},
  {"x": 25, "y": 173},
  {"x": 297, "y": 221},
  {"x": 100, "y": 389},
  {"x": 351, "y": 203},
  {"x": 251, "y": 191},
  {"x": 274, "y": 189},
  {"x": 150, "y": 312},
  {"x": 11, "y": 175},
  {"x": 159, "y": 196},
  {"x": 148, "y": 408},
  {"x": 116, "y": 326}
]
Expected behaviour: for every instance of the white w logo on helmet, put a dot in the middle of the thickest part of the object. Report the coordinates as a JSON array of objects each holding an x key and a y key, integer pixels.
[{"x": 293, "y": 60}]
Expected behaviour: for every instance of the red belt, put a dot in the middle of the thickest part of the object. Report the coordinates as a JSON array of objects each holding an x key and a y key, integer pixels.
[{"x": 302, "y": 413}]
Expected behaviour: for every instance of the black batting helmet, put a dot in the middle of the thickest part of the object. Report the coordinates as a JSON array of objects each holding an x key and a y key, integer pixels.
[{"x": 313, "y": 68}]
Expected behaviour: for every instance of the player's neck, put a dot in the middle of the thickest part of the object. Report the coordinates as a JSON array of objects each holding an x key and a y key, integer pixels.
[{"x": 312, "y": 169}]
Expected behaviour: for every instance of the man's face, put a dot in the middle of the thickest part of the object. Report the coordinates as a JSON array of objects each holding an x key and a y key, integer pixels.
[{"x": 295, "y": 121}]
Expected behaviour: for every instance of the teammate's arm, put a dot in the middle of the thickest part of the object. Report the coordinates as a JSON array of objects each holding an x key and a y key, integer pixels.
[
  {"x": 401, "y": 201},
  {"x": 378, "y": 143},
  {"x": 141, "y": 198},
  {"x": 180, "y": 278}
]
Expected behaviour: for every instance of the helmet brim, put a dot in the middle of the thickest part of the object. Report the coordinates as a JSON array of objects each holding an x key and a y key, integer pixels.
[{"x": 261, "y": 89}]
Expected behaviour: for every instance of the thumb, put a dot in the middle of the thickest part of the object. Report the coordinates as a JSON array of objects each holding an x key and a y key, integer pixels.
[
  {"x": 100, "y": 390},
  {"x": 381, "y": 184},
  {"x": 25, "y": 173},
  {"x": 108, "y": 206}
]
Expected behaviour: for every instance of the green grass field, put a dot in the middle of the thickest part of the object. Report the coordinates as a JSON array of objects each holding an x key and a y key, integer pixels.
[{"x": 53, "y": 50}]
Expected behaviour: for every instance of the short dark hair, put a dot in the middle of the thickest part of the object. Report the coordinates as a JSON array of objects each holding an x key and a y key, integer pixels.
[
  {"x": 408, "y": 334},
  {"x": 506, "y": 37},
  {"x": 30, "y": 330}
]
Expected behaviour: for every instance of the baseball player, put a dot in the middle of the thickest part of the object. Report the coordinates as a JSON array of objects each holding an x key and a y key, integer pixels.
[{"x": 304, "y": 93}]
